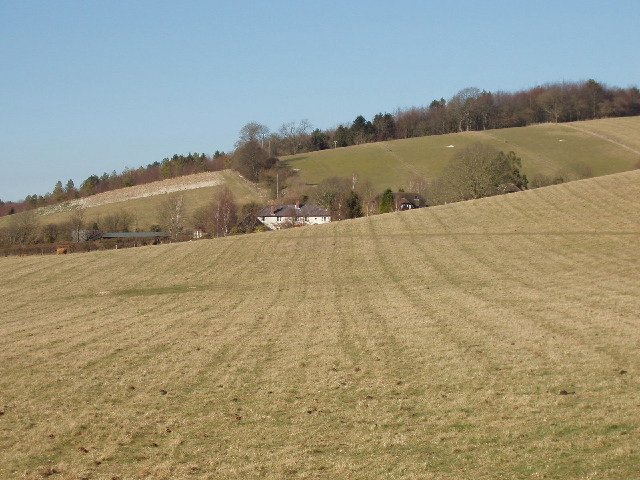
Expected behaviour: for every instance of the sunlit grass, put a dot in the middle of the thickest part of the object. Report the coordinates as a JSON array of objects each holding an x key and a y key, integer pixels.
[
  {"x": 490, "y": 339},
  {"x": 606, "y": 146}
]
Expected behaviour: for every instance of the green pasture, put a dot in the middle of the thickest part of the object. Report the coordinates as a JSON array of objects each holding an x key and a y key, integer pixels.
[
  {"x": 605, "y": 146},
  {"x": 548, "y": 148}
]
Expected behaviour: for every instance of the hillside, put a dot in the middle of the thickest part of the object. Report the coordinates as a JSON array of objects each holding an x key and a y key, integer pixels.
[
  {"x": 143, "y": 200},
  {"x": 172, "y": 185},
  {"x": 606, "y": 146},
  {"x": 489, "y": 339}
]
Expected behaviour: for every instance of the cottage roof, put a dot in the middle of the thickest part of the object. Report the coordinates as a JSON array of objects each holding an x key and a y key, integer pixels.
[{"x": 306, "y": 210}]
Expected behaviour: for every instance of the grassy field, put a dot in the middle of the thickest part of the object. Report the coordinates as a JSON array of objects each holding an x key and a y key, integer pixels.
[
  {"x": 607, "y": 146},
  {"x": 490, "y": 339}
]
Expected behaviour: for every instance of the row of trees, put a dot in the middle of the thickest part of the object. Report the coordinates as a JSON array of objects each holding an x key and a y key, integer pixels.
[
  {"x": 473, "y": 109},
  {"x": 28, "y": 229},
  {"x": 469, "y": 109},
  {"x": 176, "y": 166}
]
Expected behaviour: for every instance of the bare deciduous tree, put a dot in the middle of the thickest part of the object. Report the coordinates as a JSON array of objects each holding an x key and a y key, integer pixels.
[
  {"x": 223, "y": 213},
  {"x": 172, "y": 215},
  {"x": 418, "y": 184},
  {"x": 293, "y": 135},
  {"x": 462, "y": 106},
  {"x": 252, "y": 131},
  {"x": 23, "y": 228},
  {"x": 332, "y": 194},
  {"x": 367, "y": 194},
  {"x": 77, "y": 221},
  {"x": 121, "y": 221}
]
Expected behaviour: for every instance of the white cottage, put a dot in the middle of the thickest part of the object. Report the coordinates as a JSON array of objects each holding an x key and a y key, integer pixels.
[{"x": 283, "y": 216}]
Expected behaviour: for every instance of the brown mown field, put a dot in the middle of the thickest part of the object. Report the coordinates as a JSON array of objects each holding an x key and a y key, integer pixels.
[{"x": 498, "y": 338}]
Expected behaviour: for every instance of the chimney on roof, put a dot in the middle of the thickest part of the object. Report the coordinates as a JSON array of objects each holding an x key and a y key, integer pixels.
[
  {"x": 298, "y": 204},
  {"x": 273, "y": 207}
]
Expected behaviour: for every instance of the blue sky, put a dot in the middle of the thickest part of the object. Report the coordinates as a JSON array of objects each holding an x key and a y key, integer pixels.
[{"x": 89, "y": 87}]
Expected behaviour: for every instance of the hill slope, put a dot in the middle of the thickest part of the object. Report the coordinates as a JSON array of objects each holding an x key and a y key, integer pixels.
[
  {"x": 143, "y": 200},
  {"x": 485, "y": 339},
  {"x": 606, "y": 146}
]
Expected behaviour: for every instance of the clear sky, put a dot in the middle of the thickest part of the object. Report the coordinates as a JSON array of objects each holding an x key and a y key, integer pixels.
[{"x": 92, "y": 86}]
